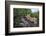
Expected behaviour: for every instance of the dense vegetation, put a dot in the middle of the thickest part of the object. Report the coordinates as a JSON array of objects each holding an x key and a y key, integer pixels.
[{"x": 18, "y": 12}]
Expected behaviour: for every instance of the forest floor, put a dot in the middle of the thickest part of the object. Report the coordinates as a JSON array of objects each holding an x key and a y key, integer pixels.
[{"x": 27, "y": 23}]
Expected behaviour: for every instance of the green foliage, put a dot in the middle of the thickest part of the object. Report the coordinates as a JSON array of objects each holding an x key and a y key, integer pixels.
[
  {"x": 35, "y": 14},
  {"x": 21, "y": 12}
]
